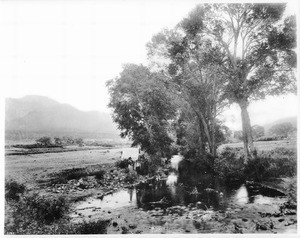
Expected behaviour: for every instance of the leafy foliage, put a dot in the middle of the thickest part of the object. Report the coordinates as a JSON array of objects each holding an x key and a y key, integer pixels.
[
  {"x": 282, "y": 129},
  {"x": 280, "y": 162},
  {"x": 45, "y": 141},
  {"x": 33, "y": 214},
  {"x": 13, "y": 190},
  {"x": 142, "y": 108},
  {"x": 258, "y": 131},
  {"x": 254, "y": 51}
]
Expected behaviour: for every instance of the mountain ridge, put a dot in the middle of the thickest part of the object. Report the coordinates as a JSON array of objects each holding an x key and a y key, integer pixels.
[{"x": 40, "y": 113}]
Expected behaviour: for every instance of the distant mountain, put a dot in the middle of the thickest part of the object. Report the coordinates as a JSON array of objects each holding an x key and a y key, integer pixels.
[
  {"x": 42, "y": 114},
  {"x": 292, "y": 120}
]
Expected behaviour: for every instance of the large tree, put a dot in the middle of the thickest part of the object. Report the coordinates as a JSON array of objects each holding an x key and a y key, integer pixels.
[
  {"x": 142, "y": 108},
  {"x": 257, "y": 56},
  {"x": 193, "y": 75}
]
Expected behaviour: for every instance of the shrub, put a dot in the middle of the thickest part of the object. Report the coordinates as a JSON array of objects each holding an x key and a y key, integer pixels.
[
  {"x": 44, "y": 141},
  {"x": 149, "y": 164},
  {"x": 123, "y": 164},
  {"x": 45, "y": 210},
  {"x": 32, "y": 212},
  {"x": 269, "y": 138},
  {"x": 229, "y": 165},
  {"x": 280, "y": 162},
  {"x": 68, "y": 174},
  {"x": 99, "y": 174},
  {"x": 130, "y": 177},
  {"x": 95, "y": 227},
  {"x": 62, "y": 226},
  {"x": 13, "y": 190}
]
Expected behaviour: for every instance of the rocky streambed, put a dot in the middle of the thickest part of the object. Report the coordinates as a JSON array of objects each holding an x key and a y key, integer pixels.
[{"x": 154, "y": 206}]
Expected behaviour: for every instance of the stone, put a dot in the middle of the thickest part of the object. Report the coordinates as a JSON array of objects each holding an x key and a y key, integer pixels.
[
  {"x": 114, "y": 223},
  {"x": 132, "y": 226}
]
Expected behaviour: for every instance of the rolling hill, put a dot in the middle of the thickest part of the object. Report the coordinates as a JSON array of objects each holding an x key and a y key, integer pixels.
[{"x": 31, "y": 115}]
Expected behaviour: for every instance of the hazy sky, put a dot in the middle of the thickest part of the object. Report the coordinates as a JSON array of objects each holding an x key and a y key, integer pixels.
[{"x": 67, "y": 50}]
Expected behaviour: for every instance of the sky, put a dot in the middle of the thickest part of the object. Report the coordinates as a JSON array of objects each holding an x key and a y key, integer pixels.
[{"x": 67, "y": 50}]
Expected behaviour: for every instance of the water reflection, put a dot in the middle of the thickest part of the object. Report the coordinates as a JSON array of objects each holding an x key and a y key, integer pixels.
[
  {"x": 202, "y": 190},
  {"x": 175, "y": 161},
  {"x": 241, "y": 197},
  {"x": 172, "y": 179}
]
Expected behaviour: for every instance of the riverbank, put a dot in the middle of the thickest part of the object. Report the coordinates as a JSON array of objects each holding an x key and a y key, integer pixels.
[
  {"x": 135, "y": 204},
  {"x": 258, "y": 217}
]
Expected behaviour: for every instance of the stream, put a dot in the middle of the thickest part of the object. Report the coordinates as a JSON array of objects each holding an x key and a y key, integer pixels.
[{"x": 202, "y": 192}]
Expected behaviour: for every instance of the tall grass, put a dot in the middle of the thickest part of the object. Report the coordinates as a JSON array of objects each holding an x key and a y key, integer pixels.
[
  {"x": 35, "y": 214},
  {"x": 13, "y": 190}
]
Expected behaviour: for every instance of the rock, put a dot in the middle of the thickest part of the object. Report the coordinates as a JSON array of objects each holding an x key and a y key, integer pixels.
[
  {"x": 114, "y": 223},
  {"x": 281, "y": 219},
  {"x": 244, "y": 219},
  {"x": 132, "y": 226},
  {"x": 289, "y": 212}
]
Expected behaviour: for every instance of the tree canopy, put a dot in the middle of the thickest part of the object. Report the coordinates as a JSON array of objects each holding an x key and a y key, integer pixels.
[
  {"x": 142, "y": 108},
  {"x": 219, "y": 54},
  {"x": 249, "y": 46}
]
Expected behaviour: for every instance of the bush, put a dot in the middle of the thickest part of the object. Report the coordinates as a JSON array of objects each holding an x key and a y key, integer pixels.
[
  {"x": 149, "y": 164},
  {"x": 61, "y": 226},
  {"x": 45, "y": 210},
  {"x": 95, "y": 227},
  {"x": 130, "y": 177},
  {"x": 68, "y": 174},
  {"x": 44, "y": 141},
  {"x": 99, "y": 174},
  {"x": 229, "y": 165},
  {"x": 280, "y": 162},
  {"x": 269, "y": 138},
  {"x": 123, "y": 164},
  {"x": 13, "y": 190},
  {"x": 32, "y": 212}
]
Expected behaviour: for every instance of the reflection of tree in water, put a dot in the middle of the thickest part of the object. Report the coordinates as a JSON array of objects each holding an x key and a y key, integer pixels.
[{"x": 130, "y": 191}]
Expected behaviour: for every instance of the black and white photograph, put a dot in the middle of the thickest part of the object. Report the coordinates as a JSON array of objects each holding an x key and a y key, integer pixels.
[{"x": 142, "y": 117}]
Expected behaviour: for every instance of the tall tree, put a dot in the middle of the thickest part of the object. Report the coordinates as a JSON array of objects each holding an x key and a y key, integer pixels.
[
  {"x": 141, "y": 108},
  {"x": 190, "y": 68},
  {"x": 257, "y": 56}
]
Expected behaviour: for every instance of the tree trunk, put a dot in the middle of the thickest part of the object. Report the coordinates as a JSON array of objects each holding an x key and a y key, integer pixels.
[
  {"x": 247, "y": 131},
  {"x": 214, "y": 145},
  {"x": 206, "y": 131},
  {"x": 200, "y": 138}
]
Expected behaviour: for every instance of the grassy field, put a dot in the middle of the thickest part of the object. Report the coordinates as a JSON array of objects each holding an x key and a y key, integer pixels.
[
  {"x": 32, "y": 167},
  {"x": 265, "y": 145}
]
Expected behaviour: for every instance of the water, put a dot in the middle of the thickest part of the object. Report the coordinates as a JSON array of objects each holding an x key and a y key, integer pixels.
[
  {"x": 172, "y": 179},
  {"x": 188, "y": 189},
  {"x": 166, "y": 193},
  {"x": 175, "y": 161}
]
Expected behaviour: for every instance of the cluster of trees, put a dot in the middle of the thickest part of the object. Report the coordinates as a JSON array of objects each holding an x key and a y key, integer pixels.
[
  {"x": 283, "y": 129},
  {"x": 277, "y": 131},
  {"x": 47, "y": 141},
  {"x": 257, "y": 132},
  {"x": 218, "y": 55}
]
